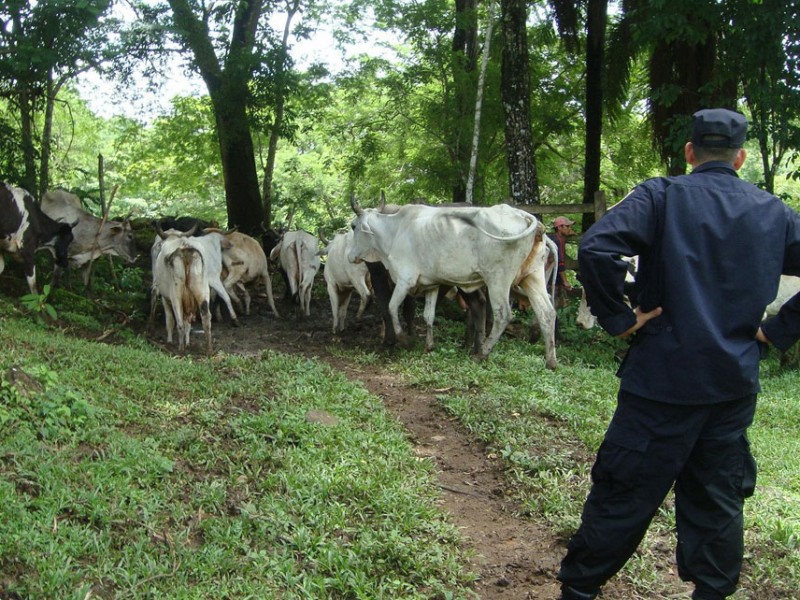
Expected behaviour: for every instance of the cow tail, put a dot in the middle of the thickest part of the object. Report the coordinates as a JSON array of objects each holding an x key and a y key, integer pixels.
[
  {"x": 189, "y": 301},
  {"x": 296, "y": 255},
  {"x": 553, "y": 248}
]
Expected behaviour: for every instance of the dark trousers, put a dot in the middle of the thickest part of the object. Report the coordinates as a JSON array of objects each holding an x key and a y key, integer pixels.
[{"x": 649, "y": 447}]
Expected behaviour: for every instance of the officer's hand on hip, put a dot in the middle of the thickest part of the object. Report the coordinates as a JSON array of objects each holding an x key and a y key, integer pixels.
[{"x": 641, "y": 319}]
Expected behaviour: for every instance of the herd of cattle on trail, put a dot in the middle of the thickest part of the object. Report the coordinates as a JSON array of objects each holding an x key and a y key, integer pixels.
[{"x": 392, "y": 253}]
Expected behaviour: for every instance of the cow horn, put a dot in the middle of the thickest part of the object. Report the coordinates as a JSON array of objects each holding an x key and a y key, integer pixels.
[
  {"x": 159, "y": 231},
  {"x": 355, "y": 206},
  {"x": 383, "y": 202}
]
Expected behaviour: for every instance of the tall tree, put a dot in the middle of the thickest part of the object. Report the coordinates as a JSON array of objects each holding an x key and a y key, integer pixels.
[
  {"x": 515, "y": 89},
  {"x": 680, "y": 42},
  {"x": 596, "y": 18},
  {"x": 227, "y": 64},
  {"x": 768, "y": 72}
]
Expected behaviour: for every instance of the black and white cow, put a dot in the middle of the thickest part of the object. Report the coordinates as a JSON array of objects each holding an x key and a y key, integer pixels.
[{"x": 24, "y": 228}]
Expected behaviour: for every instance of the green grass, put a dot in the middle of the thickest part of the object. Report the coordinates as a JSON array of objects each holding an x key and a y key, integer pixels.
[{"x": 128, "y": 473}]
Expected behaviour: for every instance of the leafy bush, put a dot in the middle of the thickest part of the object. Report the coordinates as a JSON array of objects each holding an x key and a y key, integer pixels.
[{"x": 37, "y": 401}]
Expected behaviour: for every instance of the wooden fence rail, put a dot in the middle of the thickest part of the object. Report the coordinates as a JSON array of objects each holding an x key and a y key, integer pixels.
[{"x": 598, "y": 208}]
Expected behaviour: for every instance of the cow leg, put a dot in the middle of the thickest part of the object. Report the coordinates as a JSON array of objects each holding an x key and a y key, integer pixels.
[
  {"x": 333, "y": 295},
  {"x": 230, "y": 283},
  {"x": 475, "y": 330},
  {"x": 344, "y": 304},
  {"x": 270, "y": 297},
  {"x": 246, "y": 294},
  {"x": 205, "y": 317},
  {"x": 223, "y": 293},
  {"x": 151, "y": 319},
  {"x": 536, "y": 292},
  {"x": 362, "y": 305},
  {"x": 429, "y": 315},
  {"x": 501, "y": 312},
  {"x": 31, "y": 278},
  {"x": 169, "y": 318},
  {"x": 398, "y": 296}
]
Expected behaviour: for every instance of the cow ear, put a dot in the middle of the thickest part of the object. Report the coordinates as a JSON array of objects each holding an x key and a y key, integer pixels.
[
  {"x": 225, "y": 243},
  {"x": 275, "y": 253}
]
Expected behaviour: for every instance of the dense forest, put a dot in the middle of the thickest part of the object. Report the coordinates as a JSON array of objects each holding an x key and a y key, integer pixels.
[{"x": 524, "y": 102}]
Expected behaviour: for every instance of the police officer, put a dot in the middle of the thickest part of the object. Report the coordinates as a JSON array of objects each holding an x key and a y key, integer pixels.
[{"x": 689, "y": 381}]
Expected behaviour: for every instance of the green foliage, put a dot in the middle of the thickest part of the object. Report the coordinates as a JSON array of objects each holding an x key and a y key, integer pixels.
[
  {"x": 42, "y": 405},
  {"x": 38, "y": 304}
]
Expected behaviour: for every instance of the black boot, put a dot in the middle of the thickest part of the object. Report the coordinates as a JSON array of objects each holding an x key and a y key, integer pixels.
[{"x": 570, "y": 593}]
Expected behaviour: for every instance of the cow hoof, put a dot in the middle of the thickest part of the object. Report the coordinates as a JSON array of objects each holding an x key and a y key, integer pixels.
[{"x": 235, "y": 322}]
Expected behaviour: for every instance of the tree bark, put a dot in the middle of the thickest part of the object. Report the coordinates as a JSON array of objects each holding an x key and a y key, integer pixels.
[
  {"x": 515, "y": 93},
  {"x": 476, "y": 127},
  {"x": 595, "y": 59},
  {"x": 275, "y": 131}
]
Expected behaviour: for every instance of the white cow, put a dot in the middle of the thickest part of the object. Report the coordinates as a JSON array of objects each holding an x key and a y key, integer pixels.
[
  {"x": 170, "y": 285},
  {"x": 297, "y": 252},
  {"x": 424, "y": 247},
  {"x": 245, "y": 262},
  {"x": 788, "y": 287},
  {"x": 585, "y": 317},
  {"x": 343, "y": 278}
]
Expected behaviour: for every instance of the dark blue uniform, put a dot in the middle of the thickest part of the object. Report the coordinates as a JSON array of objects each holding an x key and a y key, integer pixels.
[{"x": 711, "y": 250}]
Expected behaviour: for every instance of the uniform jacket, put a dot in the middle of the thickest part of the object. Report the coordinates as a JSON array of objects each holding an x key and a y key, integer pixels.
[{"x": 711, "y": 249}]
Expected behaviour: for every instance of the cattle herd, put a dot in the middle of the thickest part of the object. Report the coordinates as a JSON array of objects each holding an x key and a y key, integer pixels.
[
  {"x": 482, "y": 255},
  {"x": 392, "y": 254}
]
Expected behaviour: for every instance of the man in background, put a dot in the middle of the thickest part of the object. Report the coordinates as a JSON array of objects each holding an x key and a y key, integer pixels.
[{"x": 562, "y": 229}]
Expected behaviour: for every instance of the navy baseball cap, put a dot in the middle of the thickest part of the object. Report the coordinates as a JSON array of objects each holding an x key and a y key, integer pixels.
[{"x": 718, "y": 128}]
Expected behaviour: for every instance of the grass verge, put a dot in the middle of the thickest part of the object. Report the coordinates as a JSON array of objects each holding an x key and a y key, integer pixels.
[{"x": 127, "y": 473}]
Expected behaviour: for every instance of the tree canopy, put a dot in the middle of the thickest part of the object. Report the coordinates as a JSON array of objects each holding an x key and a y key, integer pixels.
[{"x": 275, "y": 139}]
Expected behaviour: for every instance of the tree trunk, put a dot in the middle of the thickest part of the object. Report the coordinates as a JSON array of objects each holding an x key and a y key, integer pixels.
[
  {"x": 465, "y": 42},
  {"x": 242, "y": 197},
  {"x": 515, "y": 92},
  {"x": 228, "y": 89},
  {"x": 595, "y": 59},
  {"x": 275, "y": 130},
  {"x": 476, "y": 128}
]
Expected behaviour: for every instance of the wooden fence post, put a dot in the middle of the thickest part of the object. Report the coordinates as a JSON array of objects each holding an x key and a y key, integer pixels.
[{"x": 599, "y": 205}]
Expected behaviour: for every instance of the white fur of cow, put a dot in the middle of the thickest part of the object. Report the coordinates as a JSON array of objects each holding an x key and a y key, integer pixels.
[
  {"x": 246, "y": 262},
  {"x": 297, "y": 253},
  {"x": 585, "y": 318},
  {"x": 424, "y": 247},
  {"x": 788, "y": 287},
  {"x": 179, "y": 278},
  {"x": 343, "y": 278},
  {"x": 531, "y": 282}
]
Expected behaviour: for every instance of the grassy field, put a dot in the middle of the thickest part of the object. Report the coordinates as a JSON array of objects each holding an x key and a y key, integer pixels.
[{"x": 128, "y": 473}]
